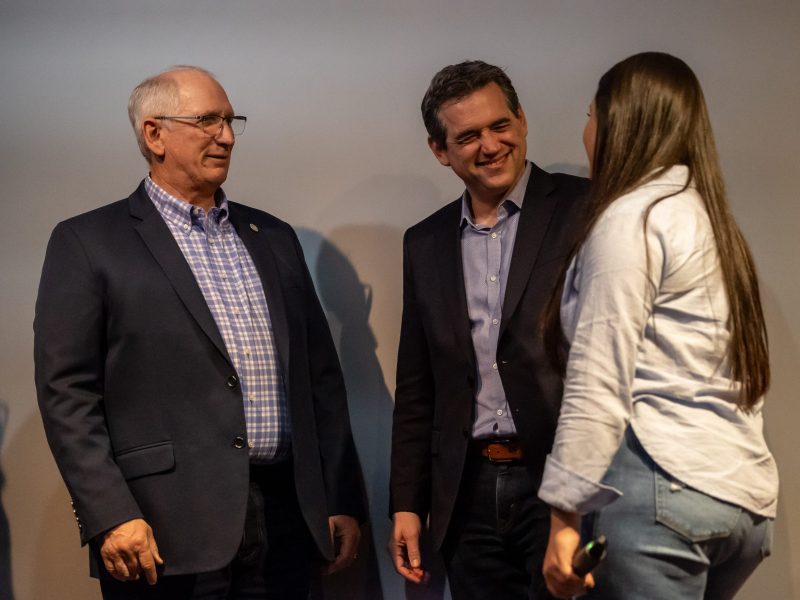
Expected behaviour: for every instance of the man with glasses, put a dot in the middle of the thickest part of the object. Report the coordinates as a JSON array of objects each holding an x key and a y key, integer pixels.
[{"x": 187, "y": 379}]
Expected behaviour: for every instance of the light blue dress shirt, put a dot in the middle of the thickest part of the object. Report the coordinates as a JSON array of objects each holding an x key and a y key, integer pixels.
[
  {"x": 486, "y": 257},
  {"x": 648, "y": 342}
]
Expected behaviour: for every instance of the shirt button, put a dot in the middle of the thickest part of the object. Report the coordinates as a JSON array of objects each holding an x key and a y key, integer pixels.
[
  {"x": 494, "y": 235},
  {"x": 493, "y": 278},
  {"x": 185, "y": 227},
  {"x": 251, "y": 396},
  {"x": 247, "y": 351},
  {"x": 495, "y": 321},
  {"x": 250, "y": 444},
  {"x": 499, "y": 412},
  {"x": 233, "y": 382},
  {"x": 238, "y": 442},
  {"x": 494, "y": 366}
]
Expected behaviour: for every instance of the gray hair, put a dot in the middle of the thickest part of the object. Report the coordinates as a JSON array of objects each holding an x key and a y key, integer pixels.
[{"x": 156, "y": 95}]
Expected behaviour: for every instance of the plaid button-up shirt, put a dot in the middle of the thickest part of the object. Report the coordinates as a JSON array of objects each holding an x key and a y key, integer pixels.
[{"x": 233, "y": 291}]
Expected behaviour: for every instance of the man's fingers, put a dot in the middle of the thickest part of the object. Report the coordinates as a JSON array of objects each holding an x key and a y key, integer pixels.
[
  {"x": 154, "y": 550},
  {"x": 129, "y": 549},
  {"x": 154, "y": 558},
  {"x": 404, "y": 546},
  {"x": 412, "y": 552},
  {"x": 402, "y": 562},
  {"x": 120, "y": 569},
  {"x": 148, "y": 564},
  {"x": 345, "y": 535},
  {"x": 349, "y": 545}
]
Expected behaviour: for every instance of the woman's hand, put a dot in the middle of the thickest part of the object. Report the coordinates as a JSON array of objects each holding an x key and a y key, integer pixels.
[{"x": 564, "y": 541}]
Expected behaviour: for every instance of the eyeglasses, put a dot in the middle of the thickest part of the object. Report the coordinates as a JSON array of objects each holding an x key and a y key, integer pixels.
[{"x": 211, "y": 124}]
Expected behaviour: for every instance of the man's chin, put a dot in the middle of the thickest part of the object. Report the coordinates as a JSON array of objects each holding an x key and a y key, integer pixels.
[{"x": 217, "y": 176}]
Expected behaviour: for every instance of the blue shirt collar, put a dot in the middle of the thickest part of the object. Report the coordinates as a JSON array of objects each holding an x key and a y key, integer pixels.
[{"x": 512, "y": 203}]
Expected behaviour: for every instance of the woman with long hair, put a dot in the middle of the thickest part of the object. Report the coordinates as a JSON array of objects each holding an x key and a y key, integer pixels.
[{"x": 660, "y": 438}]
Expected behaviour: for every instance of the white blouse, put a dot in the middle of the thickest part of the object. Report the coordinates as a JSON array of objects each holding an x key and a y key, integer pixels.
[{"x": 647, "y": 348}]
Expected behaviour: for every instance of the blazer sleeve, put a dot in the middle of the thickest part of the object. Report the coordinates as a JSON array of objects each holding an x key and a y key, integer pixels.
[
  {"x": 412, "y": 426},
  {"x": 69, "y": 357},
  {"x": 340, "y": 468}
]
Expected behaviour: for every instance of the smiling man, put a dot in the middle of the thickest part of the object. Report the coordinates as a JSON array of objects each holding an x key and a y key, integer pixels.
[
  {"x": 476, "y": 402},
  {"x": 187, "y": 379}
]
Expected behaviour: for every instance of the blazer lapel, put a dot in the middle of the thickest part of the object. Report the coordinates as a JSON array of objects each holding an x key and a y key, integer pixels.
[
  {"x": 534, "y": 218},
  {"x": 258, "y": 243},
  {"x": 451, "y": 272},
  {"x": 158, "y": 238}
]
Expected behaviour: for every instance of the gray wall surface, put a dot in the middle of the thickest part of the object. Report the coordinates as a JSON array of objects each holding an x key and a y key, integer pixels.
[{"x": 335, "y": 145}]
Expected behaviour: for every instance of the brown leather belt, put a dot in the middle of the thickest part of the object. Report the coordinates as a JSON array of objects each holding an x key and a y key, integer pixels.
[{"x": 498, "y": 450}]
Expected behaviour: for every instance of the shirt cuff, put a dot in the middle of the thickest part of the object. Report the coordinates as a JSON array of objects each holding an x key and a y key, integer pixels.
[{"x": 572, "y": 492}]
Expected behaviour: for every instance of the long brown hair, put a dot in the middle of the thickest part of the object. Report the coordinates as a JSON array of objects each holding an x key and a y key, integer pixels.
[{"x": 651, "y": 115}]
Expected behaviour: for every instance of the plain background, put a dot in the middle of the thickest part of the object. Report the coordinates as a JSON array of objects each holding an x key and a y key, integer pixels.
[{"x": 335, "y": 145}]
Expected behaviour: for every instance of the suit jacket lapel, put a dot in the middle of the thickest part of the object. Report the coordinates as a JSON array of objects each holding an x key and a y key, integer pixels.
[
  {"x": 534, "y": 218},
  {"x": 451, "y": 271},
  {"x": 258, "y": 243},
  {"x": 158, "y": 238}
]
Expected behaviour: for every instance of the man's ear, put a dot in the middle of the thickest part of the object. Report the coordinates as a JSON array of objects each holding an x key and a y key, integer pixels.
[
  {"x": 439, "y": 153},
  {"x": 152, "y": 137},
  {"x": 523, "y": 121}
]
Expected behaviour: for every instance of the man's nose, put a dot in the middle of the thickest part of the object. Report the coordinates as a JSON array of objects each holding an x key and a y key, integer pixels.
[
  {"x": 490, "y": 143},
  {"x": 225, "y": 136}
]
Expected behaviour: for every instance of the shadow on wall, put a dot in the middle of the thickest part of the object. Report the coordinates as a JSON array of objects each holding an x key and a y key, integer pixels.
[
  {"x": 5, "y": 538},
  {"x": 348, "y": 302},
  {"x": 779, "y": 575}
]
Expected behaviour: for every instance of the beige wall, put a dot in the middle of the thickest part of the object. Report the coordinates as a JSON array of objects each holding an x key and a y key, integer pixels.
[{"x": 335, "y": 146}]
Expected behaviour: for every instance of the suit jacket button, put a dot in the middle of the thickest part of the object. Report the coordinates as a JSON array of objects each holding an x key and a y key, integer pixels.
[
  {"x": 238, "y": 442},
  {"x": 233, "y": 382}
]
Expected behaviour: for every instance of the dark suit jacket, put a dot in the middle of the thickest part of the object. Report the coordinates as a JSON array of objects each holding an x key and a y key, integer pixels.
[
  {"x": 140, "y": 400},
  {"x": 435, "y": 395}
]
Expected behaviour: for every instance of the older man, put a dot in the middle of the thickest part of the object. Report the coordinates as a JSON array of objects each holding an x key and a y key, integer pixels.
[
  {"x": 187, "y": 379},
  {"x": 477, "y": 402}
]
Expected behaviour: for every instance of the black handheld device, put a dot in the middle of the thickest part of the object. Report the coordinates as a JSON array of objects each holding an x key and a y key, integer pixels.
[{"x": 588, "y": 557}]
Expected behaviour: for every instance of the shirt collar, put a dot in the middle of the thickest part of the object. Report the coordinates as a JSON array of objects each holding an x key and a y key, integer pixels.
[
  {"x": 511, "y": 204},
  {"x": 180, "y": 213}
]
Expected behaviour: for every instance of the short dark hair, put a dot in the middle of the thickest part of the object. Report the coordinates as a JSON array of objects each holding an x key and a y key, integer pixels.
[{"x": 458, "y": 81}]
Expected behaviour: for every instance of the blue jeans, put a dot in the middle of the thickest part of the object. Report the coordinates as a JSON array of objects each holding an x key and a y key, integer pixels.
[{"x": 669, "y": 541}]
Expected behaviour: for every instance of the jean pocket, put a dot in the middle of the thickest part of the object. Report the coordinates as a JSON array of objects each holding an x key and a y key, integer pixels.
[{"x": 692, "y": 514}]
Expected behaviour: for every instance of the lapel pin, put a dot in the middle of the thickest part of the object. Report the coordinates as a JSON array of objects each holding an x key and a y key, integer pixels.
[{"x": 254, "y": 227}]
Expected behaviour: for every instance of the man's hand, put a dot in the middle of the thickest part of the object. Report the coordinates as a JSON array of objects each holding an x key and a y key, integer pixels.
[
  {"x": 345, "y": 535},
  {"x": 404, "y": 547},
  {"x": 561, "y": 548},
  {"x": 130, "y": 549}
]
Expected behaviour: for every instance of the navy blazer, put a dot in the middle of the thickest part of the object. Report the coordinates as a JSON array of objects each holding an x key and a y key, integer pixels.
[
  {"x": 435, "y": 395},
  {"x": 141, "y": 403}
]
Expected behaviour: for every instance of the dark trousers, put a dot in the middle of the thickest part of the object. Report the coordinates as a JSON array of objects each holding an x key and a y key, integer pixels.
[
  {"x": 497, "y": 538},
  {"x": 274, "y": 561}
]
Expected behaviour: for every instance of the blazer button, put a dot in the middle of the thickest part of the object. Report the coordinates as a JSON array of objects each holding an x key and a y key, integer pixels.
[
  {"x": 233, "y": 382},
  {"x": 238, "y": 442}
]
